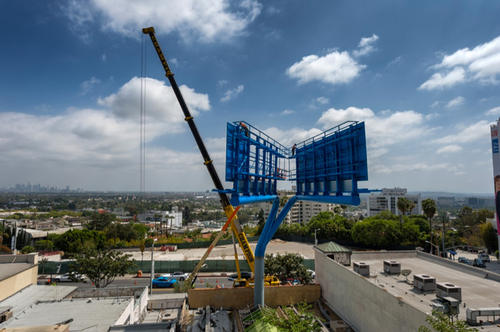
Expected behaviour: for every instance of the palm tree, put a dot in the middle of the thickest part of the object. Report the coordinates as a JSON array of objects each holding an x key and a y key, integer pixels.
[
  {"x": 404, "y": 205},
  {"x": 429, "y": 207}
]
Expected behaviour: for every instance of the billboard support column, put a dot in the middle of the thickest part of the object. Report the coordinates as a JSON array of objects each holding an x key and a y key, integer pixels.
[{"x": 495, "y": 149}]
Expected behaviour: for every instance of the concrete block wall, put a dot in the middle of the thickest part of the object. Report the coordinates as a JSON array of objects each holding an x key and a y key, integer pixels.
[{"x": 362, "y": 304}]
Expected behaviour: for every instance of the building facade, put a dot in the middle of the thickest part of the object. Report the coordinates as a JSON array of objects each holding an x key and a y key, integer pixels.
[{"x": 387, "y": 200}]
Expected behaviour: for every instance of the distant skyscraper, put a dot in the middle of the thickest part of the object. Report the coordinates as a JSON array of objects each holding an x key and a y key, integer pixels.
[{"x": 496, "y": 171}]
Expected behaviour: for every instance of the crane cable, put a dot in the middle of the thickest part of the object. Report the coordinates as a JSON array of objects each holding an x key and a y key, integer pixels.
[{"x": 142, "y": 147}]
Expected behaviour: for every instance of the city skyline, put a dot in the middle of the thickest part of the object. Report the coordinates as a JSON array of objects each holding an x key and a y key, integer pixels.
[{"x": 424, "y": 82}]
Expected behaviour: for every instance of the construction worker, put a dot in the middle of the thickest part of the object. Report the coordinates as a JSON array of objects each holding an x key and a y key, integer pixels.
[{"x": 245, "y": 129}]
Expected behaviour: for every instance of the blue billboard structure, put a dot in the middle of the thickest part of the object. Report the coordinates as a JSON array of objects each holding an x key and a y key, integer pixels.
[{"x": 325, "y": 168}]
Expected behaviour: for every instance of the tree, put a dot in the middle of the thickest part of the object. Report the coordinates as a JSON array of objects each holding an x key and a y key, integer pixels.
[
  {"x": 429, "y": 207},
  {"x": 404, "y": 205},
  {"x": 287, "y": 266},
  {"x": 377, "y": 233},
  {"x": 100, "y": 221},
  {"x": 27, "y": 249},
  {"x": 102, "y": 266},
  {"x": 44, "y": 245},
  {"x": 489, "y": 236},
  {"x": 142, "y": 247},
  {"x": 441, "y": 323},
  {"x": 330, "y": 226}
]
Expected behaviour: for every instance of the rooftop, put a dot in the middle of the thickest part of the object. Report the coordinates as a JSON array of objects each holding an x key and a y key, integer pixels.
[
  {"x": 477, "y": 291},
  {"x": 87, "y": 314},
  {"x": 331, "y": 247},
  {"x": 33, "y": 294}
]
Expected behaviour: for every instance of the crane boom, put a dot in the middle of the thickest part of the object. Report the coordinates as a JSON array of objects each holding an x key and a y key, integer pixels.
[{"x": 226, "y": 205}]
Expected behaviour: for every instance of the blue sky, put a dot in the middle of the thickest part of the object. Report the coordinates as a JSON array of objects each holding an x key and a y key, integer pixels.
[{"x": 423, "y": 75}]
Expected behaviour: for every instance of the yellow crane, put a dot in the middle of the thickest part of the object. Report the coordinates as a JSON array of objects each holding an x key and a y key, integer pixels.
[{"x": 226, "y": 205}]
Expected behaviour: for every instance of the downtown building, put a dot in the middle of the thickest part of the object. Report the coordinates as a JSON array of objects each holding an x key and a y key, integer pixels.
[{"x": 387, "y": 200}]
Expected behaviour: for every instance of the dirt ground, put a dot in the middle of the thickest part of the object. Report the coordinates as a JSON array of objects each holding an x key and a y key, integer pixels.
[{"x": 227, "y": 251}]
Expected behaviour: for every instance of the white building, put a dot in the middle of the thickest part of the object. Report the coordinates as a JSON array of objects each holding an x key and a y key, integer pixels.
[
  {"x": 301, "y": 212},
  {"x": 166, "y": 217},
  {"x": 387, "y": 200}
]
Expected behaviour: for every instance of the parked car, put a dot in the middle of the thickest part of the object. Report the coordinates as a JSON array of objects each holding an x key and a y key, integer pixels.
[
  {"x": 478, "y": 262},
  {"x": 464, "y": 260},
  {"x": 180, "y": 276},
  {"x": 244, "y": 275},
  {"x": 164, "y": 282},
  {"x": 484, "y": 257},
  {"x": 69, "y": 277}
]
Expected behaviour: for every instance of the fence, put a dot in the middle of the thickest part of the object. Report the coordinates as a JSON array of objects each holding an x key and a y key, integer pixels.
[{"x": 216, "y": 265}]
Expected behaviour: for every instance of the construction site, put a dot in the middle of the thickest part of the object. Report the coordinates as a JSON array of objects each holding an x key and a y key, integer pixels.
[{"x": 348, "y": 290}]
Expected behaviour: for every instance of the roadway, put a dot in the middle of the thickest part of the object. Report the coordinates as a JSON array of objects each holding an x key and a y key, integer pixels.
[{"x": 130, "y": 281}]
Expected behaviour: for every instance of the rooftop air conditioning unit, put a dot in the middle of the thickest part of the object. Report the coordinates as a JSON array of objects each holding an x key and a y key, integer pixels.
[
  {"x": 361, "y": 268},
  {"x": 392, "y": 267},
  {"x": 424, "y": 283},
  {"x": 447, "y": 289}
]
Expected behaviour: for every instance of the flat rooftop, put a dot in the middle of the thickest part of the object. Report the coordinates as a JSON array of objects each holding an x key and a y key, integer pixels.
[
  {"x": 34, "y": 293},
  {"x": 8, "y": 270},
  {"x": 88, "y": 315},
  {"x": 477, "y": 292}
]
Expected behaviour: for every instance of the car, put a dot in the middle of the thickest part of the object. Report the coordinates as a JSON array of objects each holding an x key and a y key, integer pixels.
[
  {"x": 69, "y": 277},
  {"x": 464, "y": 260},
  {"x": 244, "y": 275},
  {"x": 484, "y": 257},
  {"x": 180, "y": 276},
  {"x": 164, "y": 282},
  {"x": 478, "y": 262}
]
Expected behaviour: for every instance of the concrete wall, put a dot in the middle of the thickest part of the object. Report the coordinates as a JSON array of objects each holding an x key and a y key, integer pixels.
[
  {"x": 128, "y": 315},
  {"x": 360, "y": 256},
  {"x": 29, "y": 258},
  {"x": 242, "y": 297},
  {"x": 15, "y": 283},
  {"x": 363, "y": 305},
  {"x": 108, "y": 292},
  {"x": 483, "y": 273}
]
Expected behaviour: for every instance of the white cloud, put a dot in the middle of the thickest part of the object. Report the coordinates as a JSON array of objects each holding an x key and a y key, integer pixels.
[
  {"x": 418, "y": 167},
  {"x": 474, "y": 132},
  {"x": 493, "y": 111},
  {"x": 206, "y": 21},
  {"x": 482, "y": 63},
  {"x": 322, "y": 100},
  {"x": 435, "y": 104},
  {"x": 87, "y": 85},
  {"x": 292, "y": 135},
  {"x": 384, "y": 128},
  {"x": 333, "y": 68},
  {"x": 366, "y": 46},
  {"x": 449, "y": 149},
  {"x": 232, "y": 93},
  {"x": 99, "y": 147},
  {"x": 287, "y": 112},
  {"x": 104, "y": 57},
  {"x": 444, "y": 80},
  {"x": 455, "y": 102},
  {"x": 161, "y": 104}
]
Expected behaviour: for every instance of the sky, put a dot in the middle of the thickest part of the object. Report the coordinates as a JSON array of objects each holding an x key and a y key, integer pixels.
[{"x": 423, "y": 75}]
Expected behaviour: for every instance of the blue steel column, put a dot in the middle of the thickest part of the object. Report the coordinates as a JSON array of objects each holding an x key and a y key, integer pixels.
[{"x": 271, "y": 226}]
